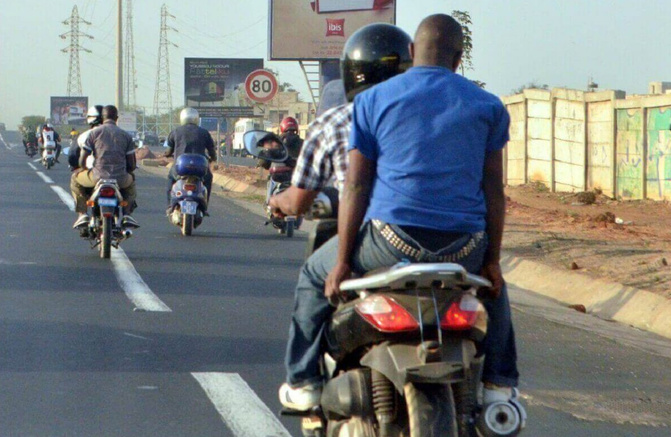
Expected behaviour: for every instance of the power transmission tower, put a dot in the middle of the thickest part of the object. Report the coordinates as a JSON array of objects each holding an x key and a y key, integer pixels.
[
  {"x": 74, "y": 76},
  {"x": 163, "y": 94},
  {"x": 130, "y": 82}
]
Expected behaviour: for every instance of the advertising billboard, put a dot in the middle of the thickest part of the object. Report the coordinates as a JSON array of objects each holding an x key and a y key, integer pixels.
[
  {"x": 68, "y": 110},
  {"x": 324, "y": 26},
  {"x": 216, "y": 87},
  {"x": 128, "y": 122}
]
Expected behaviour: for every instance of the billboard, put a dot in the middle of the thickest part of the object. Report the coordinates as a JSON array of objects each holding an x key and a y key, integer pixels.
[
  {"x": 68, "y": 110},
  {"x": 324, "y": 26},
  {"x": 216, "y": 87},
  {"x": 128, "y": 122}
]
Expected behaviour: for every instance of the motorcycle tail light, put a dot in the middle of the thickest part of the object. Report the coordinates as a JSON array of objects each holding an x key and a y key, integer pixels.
[
  {"x": 461, "y": 315},
  {"x": 107, "y": 192},
  {"x": 189, "y": 187},
  {"x": 385, "y": 314}
]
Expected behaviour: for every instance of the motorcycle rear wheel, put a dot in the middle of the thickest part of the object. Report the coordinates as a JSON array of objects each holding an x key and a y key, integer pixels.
[
  {"x": 187, "y": 224},
  {"x": 431, "y": 410},
  {"x": 290, "y": 229},
  {"x": 106, "y": 238}
]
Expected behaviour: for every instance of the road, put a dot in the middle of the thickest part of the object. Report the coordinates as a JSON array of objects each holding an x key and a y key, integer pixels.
[{"x": 193, "y": 345}]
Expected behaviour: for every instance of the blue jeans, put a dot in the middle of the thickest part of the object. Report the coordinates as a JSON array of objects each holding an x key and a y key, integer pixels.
[{"x": 312, "y": 310}]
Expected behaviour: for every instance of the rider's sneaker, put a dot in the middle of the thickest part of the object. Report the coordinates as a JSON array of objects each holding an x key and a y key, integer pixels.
[
  {"x": 496, "y": 393},
  {"x": 301, "y": 398},
  {"x": 129, "y": 222},
  {"x": 81, "y": 222}
]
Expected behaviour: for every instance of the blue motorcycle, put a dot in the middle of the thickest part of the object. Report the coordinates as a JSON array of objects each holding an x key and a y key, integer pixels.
[{"x": 188, "y": 196}]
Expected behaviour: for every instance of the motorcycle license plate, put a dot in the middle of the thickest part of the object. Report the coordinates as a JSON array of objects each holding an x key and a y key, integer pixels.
[
  {"x": 188, "y": 207},
  {"x": 105, "y": 201}
]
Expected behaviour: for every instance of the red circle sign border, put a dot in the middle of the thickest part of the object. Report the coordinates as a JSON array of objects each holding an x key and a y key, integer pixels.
[{"x": 251, "y": 76}]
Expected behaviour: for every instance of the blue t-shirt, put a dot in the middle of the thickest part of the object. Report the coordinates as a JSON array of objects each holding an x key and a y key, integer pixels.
[{"x": 428, "y": 131}]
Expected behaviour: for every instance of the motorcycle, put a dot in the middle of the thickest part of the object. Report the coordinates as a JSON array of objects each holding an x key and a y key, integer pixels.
[
  {"x": 49, "y": 154},
  {"x": 31, "y": 149},
  {"x": 188, "y": 196},
  {"x": 281, "y": 169},
  {"x": 402, "y": 353},
  {"x": 105, "y": 209}
]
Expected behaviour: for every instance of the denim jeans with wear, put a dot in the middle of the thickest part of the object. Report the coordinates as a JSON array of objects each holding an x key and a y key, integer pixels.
[{"x": 312, "y": 310}]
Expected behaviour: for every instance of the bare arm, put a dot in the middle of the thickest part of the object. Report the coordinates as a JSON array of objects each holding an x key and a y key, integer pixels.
[
  {"x": 353, "y": 206},
  {"x": 492, "y": 185},
  {"x": 293, "y": 201}
]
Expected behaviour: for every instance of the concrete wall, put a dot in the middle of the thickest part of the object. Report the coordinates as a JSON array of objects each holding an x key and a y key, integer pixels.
[{"x": 572, "y": 140}]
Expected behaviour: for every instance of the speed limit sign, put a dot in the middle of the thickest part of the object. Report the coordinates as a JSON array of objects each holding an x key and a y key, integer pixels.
[{"x": 261, "y": 85}]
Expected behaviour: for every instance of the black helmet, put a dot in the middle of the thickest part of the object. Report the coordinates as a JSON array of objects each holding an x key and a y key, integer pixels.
[{"x": 372, "y": 55}]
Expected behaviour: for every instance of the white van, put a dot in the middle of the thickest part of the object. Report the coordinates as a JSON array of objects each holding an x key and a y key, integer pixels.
[{"x": 243, "y": 125}]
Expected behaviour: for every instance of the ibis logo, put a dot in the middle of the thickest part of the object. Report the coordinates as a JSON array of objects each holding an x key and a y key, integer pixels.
[{"x": 335, "y": 27}]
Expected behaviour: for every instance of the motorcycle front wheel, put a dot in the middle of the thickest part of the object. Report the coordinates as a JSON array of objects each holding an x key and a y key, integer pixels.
[
  {"x": 106, "y": 238},
  {"x": 187, "y": 224},
  {"x": 431, "y": 411}
]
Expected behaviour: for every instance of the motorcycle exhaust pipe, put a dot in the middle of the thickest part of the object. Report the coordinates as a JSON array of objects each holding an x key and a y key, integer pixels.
[
  {"x": 501, "y": 419},
  {"x": 127, "y": 233}
]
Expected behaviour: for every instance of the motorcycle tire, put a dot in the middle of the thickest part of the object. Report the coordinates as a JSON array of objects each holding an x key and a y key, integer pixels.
[
  {"x": 290, "y": 229},
  {"x": 187, "y": 224},
  {"x": 431, "y": 410},
  {"x": 106, "y": 238}
]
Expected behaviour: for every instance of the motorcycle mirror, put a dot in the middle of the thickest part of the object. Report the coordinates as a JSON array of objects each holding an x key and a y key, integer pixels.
[{"x": 265, "y": 145}]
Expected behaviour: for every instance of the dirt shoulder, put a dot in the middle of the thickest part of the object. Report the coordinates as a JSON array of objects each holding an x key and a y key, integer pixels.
[{"x": 625, "y": 242}]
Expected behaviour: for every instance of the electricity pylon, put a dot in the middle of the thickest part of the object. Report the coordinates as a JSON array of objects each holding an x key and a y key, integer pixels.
[
  {"x": 163, "y": 94},
  {"x": 74, "y": 75}
]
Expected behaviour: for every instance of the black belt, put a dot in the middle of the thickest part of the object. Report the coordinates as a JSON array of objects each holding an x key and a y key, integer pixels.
[{"x": 407, "y": 249}]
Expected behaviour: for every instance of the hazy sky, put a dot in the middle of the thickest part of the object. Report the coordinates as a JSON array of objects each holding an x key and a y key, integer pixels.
[{"x": 554, "y": 42}]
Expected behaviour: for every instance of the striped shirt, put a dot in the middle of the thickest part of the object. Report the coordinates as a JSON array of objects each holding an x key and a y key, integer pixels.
[{"x": 323, "y": 158}]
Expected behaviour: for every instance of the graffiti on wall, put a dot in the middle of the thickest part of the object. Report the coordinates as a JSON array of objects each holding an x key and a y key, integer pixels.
[
  {"x": 630, "y": 153},
  {"x": 658, "y": 171}
]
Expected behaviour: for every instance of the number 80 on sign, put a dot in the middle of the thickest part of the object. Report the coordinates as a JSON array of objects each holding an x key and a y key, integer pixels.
[{"x": 261, "y": 86}]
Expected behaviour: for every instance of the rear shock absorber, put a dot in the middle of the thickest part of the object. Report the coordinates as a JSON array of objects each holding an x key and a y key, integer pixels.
[{"x": 384, "y": 403}]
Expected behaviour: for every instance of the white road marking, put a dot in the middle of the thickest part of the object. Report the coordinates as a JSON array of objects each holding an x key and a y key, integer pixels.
[
  {"x": 135, "y": 288},
  {"x": 65, "y": 197},
  {"x": 31, "y": 166},
  {"x": 45, "y": 178},
  {"x": 37, "y": 160},
  {"x": 240, "y": 408},
  {"x": 4, "y": 142}
]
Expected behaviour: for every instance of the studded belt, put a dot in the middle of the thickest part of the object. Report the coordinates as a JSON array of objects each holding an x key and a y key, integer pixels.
[{"x": 397, "y": 242}]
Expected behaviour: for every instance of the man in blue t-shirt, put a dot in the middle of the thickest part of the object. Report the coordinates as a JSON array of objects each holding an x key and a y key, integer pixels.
[{"x": 425, "y": 181}]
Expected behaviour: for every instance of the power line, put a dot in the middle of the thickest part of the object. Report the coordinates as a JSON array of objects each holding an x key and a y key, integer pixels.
[{"x": 74, "y": 74}]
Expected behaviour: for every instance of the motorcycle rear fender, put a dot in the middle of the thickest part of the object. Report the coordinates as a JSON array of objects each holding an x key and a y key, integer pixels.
[
  {"x": 403, "y": 363},
  {"x": 107, "y": 210}
]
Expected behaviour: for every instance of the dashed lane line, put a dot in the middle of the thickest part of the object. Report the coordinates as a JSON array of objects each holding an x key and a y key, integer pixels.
[
  {"x": 65, "y": 197},
  {"x": 135, "y": 288},
  {"x": 45, "y": 178},
  {"x": 31, "y": 166},
  {"x": 240, "y": 408}
]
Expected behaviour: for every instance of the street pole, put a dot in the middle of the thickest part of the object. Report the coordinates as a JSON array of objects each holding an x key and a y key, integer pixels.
[{"x": 119, "y": 63}]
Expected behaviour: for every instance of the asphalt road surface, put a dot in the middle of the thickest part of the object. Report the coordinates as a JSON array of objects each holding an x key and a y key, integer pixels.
[{"x": 179, "y": 336}]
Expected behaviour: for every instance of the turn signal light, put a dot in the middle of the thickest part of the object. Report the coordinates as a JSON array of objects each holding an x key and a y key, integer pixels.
[
  {"x": 124, "y": 203},
  {"x": 461, "y": 315},
  {"x": 107, "y": 192},
  {"x": 385, "y": 314},
  {"x": 90, "y": 203}
]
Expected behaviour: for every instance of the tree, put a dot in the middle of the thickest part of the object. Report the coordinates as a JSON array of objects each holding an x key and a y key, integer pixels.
[
  {"x": 32, "y": 121},
  {"x": 464, "y": 18},
  {"x": 531, "y": 85}
]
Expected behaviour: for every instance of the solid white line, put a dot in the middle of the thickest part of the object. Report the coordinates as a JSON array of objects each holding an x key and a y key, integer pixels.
[
  {"x": 45, "y": 178},
  {"x": 65, "y": 197},
  {"x": 135, "y": 288},
  {"x": 31, "y": 166},
  {"x": 240, "y": 408}
]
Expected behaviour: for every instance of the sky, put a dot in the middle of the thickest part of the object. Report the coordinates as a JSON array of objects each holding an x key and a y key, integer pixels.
[{"x": 561, "y": 43}]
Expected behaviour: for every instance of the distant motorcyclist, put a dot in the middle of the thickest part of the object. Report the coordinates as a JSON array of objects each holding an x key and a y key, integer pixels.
[
  {"x": 29, "y": 137},
  {"x": 190, "y": 138},
  {"x": 50, "y": 135},
  {"x": 114, "y": 150},
  {"x": 290, "y": 139},
  {"x": 93, "y": 119}
]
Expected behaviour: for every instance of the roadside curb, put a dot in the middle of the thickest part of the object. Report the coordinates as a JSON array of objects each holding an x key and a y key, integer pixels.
[{"x": 606, "y": 300}]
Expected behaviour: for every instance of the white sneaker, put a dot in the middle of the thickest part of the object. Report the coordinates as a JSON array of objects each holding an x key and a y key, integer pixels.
[
  {"x": 81, "y": 222},
  {"x": 495, "y": 393},
  {"x": 301, "y": 398}
]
